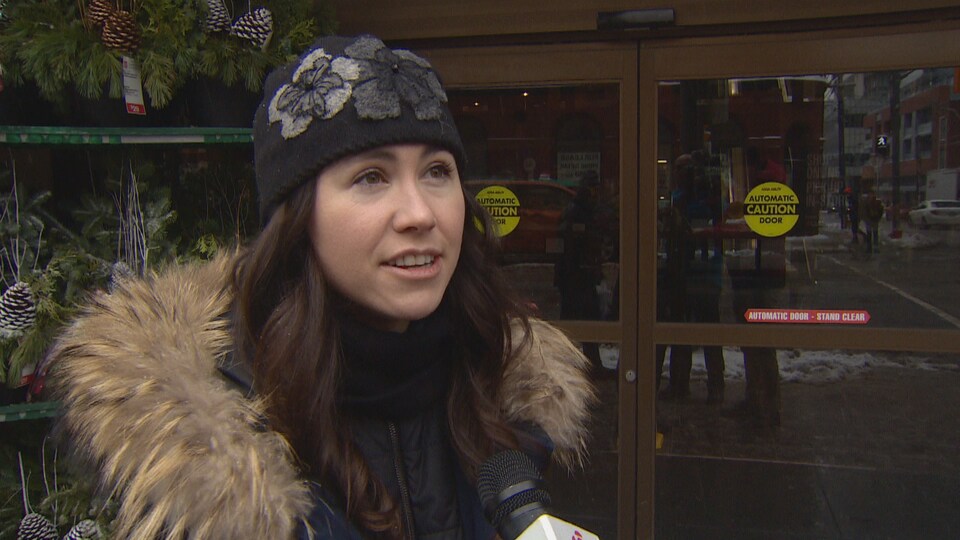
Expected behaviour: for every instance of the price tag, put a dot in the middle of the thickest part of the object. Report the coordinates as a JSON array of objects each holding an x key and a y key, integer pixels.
[{"x": 132, "y": 87}]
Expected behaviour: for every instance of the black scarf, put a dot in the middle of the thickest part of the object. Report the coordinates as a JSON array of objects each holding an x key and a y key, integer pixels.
[{"x": 395, "y": 375}]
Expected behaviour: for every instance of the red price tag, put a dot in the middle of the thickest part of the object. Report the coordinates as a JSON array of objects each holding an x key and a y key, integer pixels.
[{"x": 132, "y": 87}]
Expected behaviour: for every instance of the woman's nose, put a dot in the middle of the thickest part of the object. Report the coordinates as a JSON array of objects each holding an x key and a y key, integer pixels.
[{"x": 413, "y": 210}]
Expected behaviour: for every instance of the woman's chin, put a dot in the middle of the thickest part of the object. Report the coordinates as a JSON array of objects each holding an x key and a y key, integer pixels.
[{"x": 397, "y": 320}]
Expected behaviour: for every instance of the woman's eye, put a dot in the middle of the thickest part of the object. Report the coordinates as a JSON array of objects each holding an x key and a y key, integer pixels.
[
  {"x": 369, "y": 178},
  {"x": 440, "y": 171}
]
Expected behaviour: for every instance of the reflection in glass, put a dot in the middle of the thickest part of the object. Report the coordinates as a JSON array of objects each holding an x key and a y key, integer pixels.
[
  {"x": 810, "y": 194},
  {"x": 545, "y": 163},
  {"x": 589, "y": 497},
  {"x": 867, "y": 448}
]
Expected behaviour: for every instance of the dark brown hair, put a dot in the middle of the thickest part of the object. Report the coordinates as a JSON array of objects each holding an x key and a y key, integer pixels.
[{"x": 286, "y": 332}]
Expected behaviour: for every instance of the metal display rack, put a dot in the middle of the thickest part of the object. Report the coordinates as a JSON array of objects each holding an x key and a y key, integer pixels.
[
  {"x": 29, "y": 411},
  {"x": 119, "y": 135}
]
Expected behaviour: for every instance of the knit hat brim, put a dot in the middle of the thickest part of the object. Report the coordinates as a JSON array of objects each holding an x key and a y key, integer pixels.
[{"x": 345, "y": 96}]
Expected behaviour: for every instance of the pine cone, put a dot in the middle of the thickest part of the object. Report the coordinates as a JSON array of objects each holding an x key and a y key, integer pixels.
[
  {"x": 36, "y": 527},
  {"x": 121, "y": 31},
  {"x": 99, "y": 10},
  {"x": 85, "y": 530},
  {"x": 17, "y": 310},
  {"x": 255, "y": 27},
  {"x": 218, "y": 18}
]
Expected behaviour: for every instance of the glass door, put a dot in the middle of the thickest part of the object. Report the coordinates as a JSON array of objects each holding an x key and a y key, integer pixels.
[
  {"x": 548, "y": 137},
  {"x": 807, "y": 215}
]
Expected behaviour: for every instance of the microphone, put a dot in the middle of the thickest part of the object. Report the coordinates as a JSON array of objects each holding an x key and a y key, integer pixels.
[{"x": 516, "y": 503}]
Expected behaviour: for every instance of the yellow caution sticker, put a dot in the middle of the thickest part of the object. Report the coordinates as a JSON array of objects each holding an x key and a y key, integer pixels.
[
  {"x": 503, "y": 206},
  {"x": 771, "y": 209}
]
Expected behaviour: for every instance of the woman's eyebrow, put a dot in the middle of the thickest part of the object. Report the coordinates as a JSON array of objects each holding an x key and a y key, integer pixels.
[
  {"x": 431, "y": 150},
  {"x": 387, "y": 154},
  {"x": 377, "y": 153}
]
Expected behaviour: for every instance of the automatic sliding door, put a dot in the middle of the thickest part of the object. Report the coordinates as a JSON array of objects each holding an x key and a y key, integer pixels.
[{"x": 544, "y": 132}]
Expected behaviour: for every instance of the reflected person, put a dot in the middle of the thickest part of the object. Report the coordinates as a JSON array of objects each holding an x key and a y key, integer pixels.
[
  {"x": 578, "y": 271},
  {"x": 692, "y": 276}
]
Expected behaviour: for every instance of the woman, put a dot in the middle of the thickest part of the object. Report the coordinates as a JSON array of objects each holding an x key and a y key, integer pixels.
[{"x": 345, "y": 374}]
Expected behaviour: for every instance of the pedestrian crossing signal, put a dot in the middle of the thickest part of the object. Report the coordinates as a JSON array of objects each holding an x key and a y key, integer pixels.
[{"x": 882, "y": 145}]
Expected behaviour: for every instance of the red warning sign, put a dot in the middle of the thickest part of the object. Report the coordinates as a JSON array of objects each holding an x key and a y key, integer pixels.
[{"x": 807, "y": 316}]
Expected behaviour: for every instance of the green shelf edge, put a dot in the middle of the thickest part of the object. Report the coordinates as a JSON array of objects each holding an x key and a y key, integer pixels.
[
  {"x": 29, "y": 411},
  {"x": 119, "y": 135}
]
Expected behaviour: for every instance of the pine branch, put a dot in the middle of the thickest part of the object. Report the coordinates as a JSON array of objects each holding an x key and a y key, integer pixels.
[
  {"x": 159, "y": 78},
  {"x": 23, "y": 485},
  {"x": 100, "y": 68}
]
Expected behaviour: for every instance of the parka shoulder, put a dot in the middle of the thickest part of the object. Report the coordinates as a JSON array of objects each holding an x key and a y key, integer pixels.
[
  {"x": 546, "y": 382},
  {"x": 137, "y": 374}
]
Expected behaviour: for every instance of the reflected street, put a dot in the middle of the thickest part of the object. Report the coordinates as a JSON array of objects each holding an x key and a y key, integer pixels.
[{"x": 905, "y": 282}]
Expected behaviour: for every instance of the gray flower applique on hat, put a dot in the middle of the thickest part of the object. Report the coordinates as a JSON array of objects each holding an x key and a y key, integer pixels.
[
  {"x": 377, "y": 78},
  {"x": 319, "y": 89},
  {"x": 389, "y": 77}
]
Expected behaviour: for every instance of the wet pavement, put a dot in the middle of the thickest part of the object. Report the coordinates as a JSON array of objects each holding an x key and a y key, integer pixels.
[{"x": 870, "y": 454}]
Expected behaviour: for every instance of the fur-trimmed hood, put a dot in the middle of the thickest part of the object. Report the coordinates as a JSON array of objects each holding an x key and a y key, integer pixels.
[{"x": 185, "y": 451}]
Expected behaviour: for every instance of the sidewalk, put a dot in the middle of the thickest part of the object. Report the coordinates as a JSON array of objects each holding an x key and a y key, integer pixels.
[{"x": 872, "y": 456}]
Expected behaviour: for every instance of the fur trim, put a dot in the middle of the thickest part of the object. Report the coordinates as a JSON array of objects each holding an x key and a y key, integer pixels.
[
  {"x": 151, "y": 411},
  {"x": 546, "y": 383},
  {"x": 187, "y": 454}
]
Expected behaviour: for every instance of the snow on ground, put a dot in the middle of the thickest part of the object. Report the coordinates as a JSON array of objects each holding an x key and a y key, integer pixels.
[
  {"x": 811, "y": 367},
  {"x": 913, "y": 240}
]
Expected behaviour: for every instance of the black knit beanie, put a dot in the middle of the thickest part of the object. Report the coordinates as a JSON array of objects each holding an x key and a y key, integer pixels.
[{"x": 343, "y": 96}]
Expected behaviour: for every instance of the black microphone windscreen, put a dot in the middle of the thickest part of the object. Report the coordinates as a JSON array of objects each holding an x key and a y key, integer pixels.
[{"x": 509, "y": 481}]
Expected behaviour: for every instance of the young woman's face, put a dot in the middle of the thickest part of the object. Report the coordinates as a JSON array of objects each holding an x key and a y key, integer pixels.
[{"x": 387, "y": 227}]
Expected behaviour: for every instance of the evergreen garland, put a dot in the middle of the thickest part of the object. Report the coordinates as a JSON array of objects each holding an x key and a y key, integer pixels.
[
  {"x": 57, "y": 44},
  {"x": 52, "y": 495},
  {"x": 238, "y": 59},
  {"x": 56, "y": 274}
]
